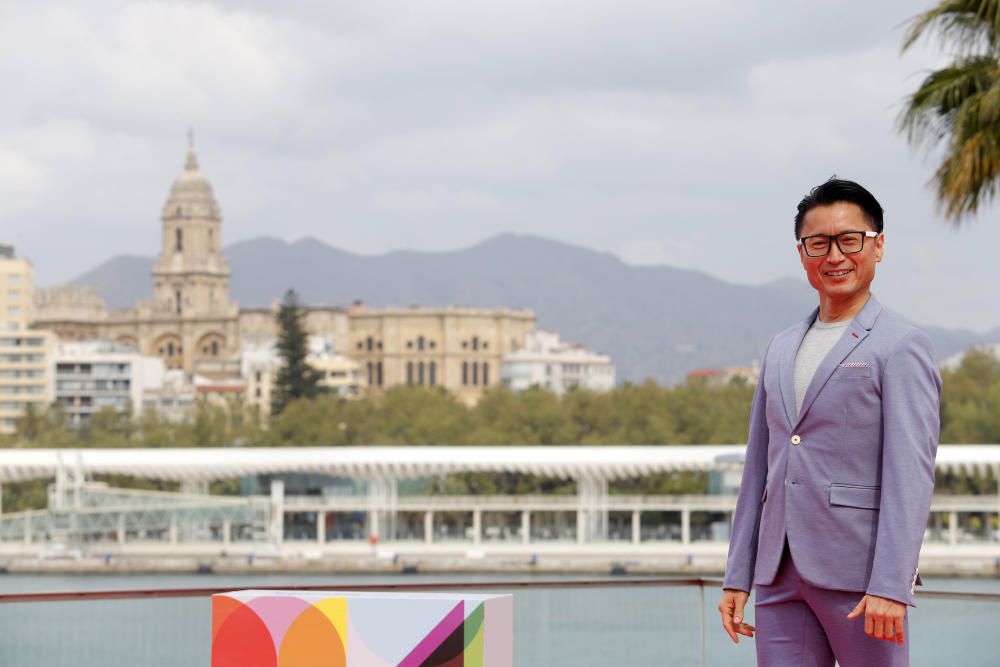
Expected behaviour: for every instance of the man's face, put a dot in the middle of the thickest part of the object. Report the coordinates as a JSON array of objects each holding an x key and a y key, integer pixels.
[{"x": 836, "y": 275}]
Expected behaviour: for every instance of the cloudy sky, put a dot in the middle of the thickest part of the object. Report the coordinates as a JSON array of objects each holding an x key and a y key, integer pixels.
[{"x": 680, "y": 132}]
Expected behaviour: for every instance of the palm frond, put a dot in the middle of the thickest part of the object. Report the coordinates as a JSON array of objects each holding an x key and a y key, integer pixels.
[
  {"x": 969, "y": 25},
  {"x": 968, "y": 176},
  {"x": 928, "y": 114}
]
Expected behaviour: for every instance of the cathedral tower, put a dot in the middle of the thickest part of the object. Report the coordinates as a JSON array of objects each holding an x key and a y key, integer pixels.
[{"x": 191, "y": 277}]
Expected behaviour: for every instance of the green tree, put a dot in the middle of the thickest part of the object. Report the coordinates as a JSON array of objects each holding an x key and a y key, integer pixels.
[
  {"x": 970, "y": 400},
  {"x": 959, "y": 105},
  {"x": 296, "y": 378},
  {"x": 31, "y": 424},
  {"x": 45, "y": 428}
]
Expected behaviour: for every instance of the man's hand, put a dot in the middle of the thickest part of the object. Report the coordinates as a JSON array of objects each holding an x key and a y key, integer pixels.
[
  {"x": 883, "y": 618},
  {"x": 731, "y": 608}
]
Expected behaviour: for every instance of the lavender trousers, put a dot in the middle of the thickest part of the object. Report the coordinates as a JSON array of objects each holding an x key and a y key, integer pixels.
[{"x": 801, "y": 625}]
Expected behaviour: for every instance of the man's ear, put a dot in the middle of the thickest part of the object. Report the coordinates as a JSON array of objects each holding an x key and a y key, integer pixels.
[{"x": 879, "y": 247}]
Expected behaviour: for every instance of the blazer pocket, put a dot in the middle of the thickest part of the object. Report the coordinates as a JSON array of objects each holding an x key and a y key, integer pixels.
[
  {"x": 852, "y": 372},
  {"x": 853, "y": 495}
]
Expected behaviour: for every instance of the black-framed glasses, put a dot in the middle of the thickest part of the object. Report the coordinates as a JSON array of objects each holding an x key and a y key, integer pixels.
[{"x": 818, "y": 245}]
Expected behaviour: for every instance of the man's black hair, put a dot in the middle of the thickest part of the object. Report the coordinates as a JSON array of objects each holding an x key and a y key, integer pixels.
[{"x": 837, "y": 190}]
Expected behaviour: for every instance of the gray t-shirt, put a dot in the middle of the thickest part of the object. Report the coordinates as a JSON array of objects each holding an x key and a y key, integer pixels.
[{"x": 816, "y": 344}]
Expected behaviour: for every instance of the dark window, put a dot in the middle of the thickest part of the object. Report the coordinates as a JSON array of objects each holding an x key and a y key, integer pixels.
[
  {"x": 465, "y": 344},
  {"x": 475, "y": 343},
  {"x": 475, "y": 373},
  {"x": 409, "y": 345},
  {"x": 378, "y": 367},
  {"x": 380, "y": 345},
  {"x": 465, "y": 372},
  {"x": 368, "y": 343},
  {"x": 369, "y": 373},
  {"x": 485, "y": 345},
  {"x": 215, "y": 348},
  {"x": 258, "y": 376},
  {"x": 409, "y": 372},
  {"x": 486, "y": 373},
  {"x": 420, "y": 342},
  {"x": 420, "y": 373},
  {"x": 170, "y": 349},
  {"x": 178, "y": 239},
  {"x": 177, "y": 296},
  {"x": 257, "y": 392},
  {"x": 432, "y": 344},
  {"x": 432, "y": 372}
]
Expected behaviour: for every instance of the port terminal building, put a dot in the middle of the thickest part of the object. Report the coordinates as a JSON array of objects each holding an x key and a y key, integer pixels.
[{"x": 347, "y": 502}]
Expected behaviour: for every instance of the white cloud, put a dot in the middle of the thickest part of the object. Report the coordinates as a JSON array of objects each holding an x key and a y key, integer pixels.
[
  {"x": 679, "y": 132},
  {"x": 22, "y": 181}
]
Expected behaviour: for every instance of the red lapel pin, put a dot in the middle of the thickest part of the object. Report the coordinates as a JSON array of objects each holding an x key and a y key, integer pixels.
[{"x": 854, "y": 334}]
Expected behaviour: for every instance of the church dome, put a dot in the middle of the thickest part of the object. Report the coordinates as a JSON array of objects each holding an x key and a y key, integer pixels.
[{"x": 191, "y": 194}]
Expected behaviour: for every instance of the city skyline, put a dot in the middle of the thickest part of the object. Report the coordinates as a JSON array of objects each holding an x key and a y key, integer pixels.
[{"x": 679, "y": 135}]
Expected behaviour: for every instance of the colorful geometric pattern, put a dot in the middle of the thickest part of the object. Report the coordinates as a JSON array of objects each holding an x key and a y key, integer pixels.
[{"x": 329, "y": 629}]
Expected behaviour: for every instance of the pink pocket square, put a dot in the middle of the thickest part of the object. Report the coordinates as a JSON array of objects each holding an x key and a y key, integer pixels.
[{"x": 855, "y": 364}]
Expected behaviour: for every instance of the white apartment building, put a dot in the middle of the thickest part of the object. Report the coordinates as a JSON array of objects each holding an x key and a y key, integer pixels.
[
  {"x": 95, "y": 374},
  {"x": 547, "y": 362},
  {"x": 25, "y": 354},
  {"x": 174, "y": 397}
]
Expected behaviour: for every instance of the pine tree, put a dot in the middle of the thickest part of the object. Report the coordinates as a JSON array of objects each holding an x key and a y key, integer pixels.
[{"x": 296, "y": 378}]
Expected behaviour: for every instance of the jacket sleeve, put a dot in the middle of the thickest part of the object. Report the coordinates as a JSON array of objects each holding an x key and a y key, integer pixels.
[
  {"x": 746, "y": 520},
  {"x": 911, "y": 420}
]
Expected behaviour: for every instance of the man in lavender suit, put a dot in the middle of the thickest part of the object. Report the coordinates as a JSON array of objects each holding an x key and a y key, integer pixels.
[{"x": 840, "y": 460}]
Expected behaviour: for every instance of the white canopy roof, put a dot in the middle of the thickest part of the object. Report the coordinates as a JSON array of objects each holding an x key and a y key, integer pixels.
[{"x": 610, "y": 462}]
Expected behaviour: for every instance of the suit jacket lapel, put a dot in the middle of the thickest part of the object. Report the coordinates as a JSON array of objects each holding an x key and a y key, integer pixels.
[
  {"x": 786, "y": 376},
  {"x": 856, "y": 332}
]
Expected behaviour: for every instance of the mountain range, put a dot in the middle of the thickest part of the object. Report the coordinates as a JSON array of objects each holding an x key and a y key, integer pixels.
[{"x": 655, "y": 322}]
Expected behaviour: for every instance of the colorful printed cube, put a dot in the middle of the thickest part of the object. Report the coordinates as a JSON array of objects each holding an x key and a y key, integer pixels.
[{"x": 330, "y": 629}]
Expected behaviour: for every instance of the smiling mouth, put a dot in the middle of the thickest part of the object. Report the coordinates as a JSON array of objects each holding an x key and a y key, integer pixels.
[{"x": 839, "y": 273}]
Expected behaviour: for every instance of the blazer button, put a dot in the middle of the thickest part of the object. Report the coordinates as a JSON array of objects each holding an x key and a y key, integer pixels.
[{"x": 796, "y": 439}]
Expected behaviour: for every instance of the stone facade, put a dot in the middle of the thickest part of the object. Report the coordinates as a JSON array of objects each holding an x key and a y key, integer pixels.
[
  {"x": 193, "y": 325},
  {"x": 190, "y": 322},
  {"x": 460, "y": 349}
]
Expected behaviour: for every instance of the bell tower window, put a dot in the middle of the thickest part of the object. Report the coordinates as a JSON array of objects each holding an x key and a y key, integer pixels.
[
  {"x": 177, "y": 302},
  {"x": 178, "y": 240}
]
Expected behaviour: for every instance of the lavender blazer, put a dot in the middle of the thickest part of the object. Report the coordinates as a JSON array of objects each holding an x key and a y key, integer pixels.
[{"x": 849, "y": 481}]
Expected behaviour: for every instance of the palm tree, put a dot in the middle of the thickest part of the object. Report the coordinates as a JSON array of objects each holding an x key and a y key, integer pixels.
[{"x": 959, "y": 105}]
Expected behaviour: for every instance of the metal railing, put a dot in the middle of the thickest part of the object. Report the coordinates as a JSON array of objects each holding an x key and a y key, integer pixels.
[{"x": 601, "y": 622}]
